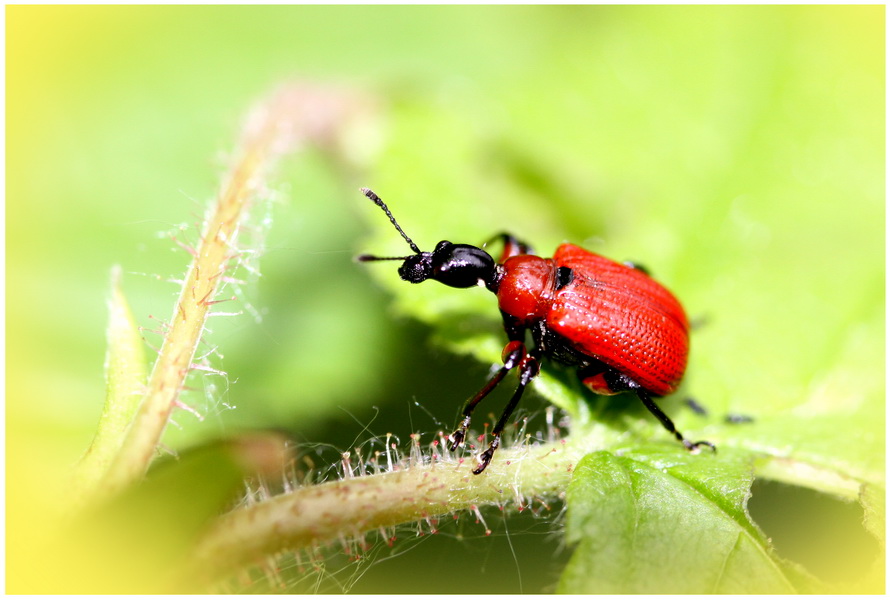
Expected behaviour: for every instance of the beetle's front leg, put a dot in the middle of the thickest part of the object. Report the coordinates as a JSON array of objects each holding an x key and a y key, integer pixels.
[
  {"x": 529, "y": 367},
  {"x": 513, "y": 353}
]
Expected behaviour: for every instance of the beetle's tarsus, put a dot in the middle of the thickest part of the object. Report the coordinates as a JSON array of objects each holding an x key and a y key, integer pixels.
[
  {"x": 457, "y": 438},
  {"x": 485, "y": 458},
  {"x": 695, "y": 446}
]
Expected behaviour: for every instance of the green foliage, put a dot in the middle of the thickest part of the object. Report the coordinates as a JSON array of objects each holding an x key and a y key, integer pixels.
[{"x": 650, "y": 522}]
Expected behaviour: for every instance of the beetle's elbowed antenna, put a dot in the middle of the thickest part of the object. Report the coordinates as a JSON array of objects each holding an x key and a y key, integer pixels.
[{"x": 376, "y": 200}]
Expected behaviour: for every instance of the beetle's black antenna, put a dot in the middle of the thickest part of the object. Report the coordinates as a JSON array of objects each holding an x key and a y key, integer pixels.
[
  {"x": 370, "y": 257},
  {"x": 376, "y": 200}
]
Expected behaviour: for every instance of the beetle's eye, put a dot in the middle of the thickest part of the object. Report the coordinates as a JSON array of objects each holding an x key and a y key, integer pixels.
[{"x": 417, "y": 268}]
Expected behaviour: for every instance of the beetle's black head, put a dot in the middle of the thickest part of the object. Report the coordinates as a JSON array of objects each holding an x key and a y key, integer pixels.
[{"x": 455, "y": 265}]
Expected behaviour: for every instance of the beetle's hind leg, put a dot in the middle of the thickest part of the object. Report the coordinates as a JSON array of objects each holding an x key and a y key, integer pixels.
[
  {"x": 619, "y": 382},
  {"x": 637, "y": 267},
  {"x": 646, "y": 398}
]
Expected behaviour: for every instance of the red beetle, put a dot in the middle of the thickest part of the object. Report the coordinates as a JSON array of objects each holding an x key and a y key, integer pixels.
[{"x": 619, "y": 327}]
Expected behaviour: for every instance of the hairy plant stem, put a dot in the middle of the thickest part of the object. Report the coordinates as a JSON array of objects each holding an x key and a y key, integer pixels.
[
  {"x": 315, "y": 515},
  {"x": 264, "y": 140}
]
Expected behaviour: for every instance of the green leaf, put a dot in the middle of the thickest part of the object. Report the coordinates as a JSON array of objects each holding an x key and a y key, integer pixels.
[
  {"x": 125, "y": 375},
  {"x": 666, "y": 523}
]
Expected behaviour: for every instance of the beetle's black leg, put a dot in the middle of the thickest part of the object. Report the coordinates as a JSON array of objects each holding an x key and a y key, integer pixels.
[
  {"x": 512, "y": 246},
  {"x": 514, "y": 352},
  {"x": 637, "y": 267},
  {"x": 528, "y": 368},
  {"x": 666, "y": 421},
  {"x": 695, "y": 406},
  {"x": 457, "y": 438},
  {"x": 619, "y": 382}
]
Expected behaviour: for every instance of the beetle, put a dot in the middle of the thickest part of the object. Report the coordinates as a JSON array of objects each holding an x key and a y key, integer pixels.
[{"x": 621, "y": 330}]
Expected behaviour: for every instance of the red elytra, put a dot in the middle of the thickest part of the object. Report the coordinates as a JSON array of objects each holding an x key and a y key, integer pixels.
[
  {"x": 610, "y": 311},
  {"x": 621, "y": 329}
]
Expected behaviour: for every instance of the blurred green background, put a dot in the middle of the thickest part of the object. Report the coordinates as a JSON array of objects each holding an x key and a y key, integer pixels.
[{"x": 737, "y": 152}]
